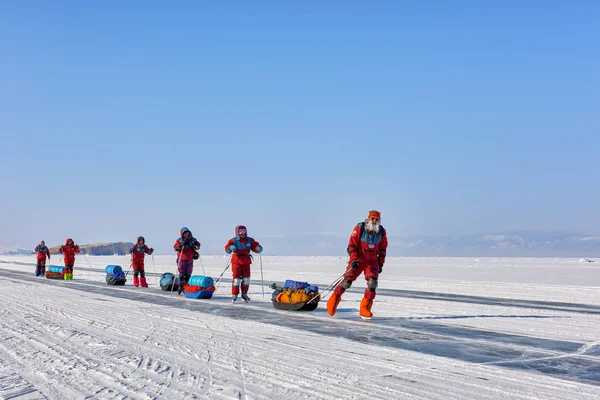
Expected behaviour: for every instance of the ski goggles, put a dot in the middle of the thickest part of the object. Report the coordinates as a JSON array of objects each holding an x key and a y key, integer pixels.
[{"x": 241, "y": 232}]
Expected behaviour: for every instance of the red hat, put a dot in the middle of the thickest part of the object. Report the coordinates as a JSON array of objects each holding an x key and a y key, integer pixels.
[{"x": 374, "y": 214}]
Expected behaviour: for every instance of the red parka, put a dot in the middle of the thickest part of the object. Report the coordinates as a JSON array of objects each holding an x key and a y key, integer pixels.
[
  {"x": 241, "y": 255},
  {"x": 137, "y": 253},
  {"x": 186, "y": 253},
  {"x": 69, "y": 251},
  {"x": 42, "y": 252},
  {"x": 367, "y": 247}
]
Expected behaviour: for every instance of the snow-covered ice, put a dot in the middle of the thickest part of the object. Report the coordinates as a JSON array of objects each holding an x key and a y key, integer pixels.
[{"x": 443, "y": 328}]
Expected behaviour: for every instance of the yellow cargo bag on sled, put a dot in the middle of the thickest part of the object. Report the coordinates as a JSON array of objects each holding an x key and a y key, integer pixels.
[
  {"x": 295, "y": 296},
  {"x": 292, "y": 296}
]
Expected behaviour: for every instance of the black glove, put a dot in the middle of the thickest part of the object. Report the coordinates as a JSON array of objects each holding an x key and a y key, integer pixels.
[
  {"x": 151, "y": 250},
  {"x": 355, "y": 264},
  {"x": 380, "y": 268}
]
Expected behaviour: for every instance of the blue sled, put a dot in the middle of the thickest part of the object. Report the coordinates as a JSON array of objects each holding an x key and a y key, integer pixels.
[{"x": 199, "y": 294}]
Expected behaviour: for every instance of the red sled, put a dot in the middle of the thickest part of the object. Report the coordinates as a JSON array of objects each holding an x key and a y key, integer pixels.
[{"x": 55, "y": 272}]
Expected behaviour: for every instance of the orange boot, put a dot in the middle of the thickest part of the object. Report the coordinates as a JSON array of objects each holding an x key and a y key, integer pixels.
[
  {"x": 365, "y": 308},
  {"x": 332, "y": 303}
]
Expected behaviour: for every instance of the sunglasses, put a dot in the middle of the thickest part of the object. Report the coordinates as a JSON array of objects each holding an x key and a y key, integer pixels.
[{"x": 242, "y": 231}]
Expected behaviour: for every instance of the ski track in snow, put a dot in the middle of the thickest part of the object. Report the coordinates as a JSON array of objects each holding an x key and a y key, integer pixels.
[
  {"x": 240, "y": 361},
  {"x": 83, "y": 339}
]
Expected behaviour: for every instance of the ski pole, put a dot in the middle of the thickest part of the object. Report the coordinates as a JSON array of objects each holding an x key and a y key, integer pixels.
[
  {"x": 326, "y": 293},
  {"x": 220, "y": 276},
  {"x": 201, "y": 264},
  {"x": 178, "y": 263},
  {"x": 130, "y": 265},
  {"x": 86, "y": 259},
  {"x": 331, "y": 287},
  {"x": 262, "y": 281},
  {"x": 154, "y": 266},
  {"x": 127, "y": 273}
]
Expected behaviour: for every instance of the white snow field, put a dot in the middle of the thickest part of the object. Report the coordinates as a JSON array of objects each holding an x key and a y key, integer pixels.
[{"x": 443, "y": 328}]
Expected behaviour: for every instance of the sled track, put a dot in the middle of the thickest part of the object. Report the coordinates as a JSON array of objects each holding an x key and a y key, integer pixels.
[
  {"x": 149, "y": 351},
  {"x": 102, "y": 356},
  {"x": 81, "y": 347},
  {"x": 416, "y": 294}
]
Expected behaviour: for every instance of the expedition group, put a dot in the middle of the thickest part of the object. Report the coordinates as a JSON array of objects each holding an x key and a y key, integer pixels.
[{"x": 366, "y": 249}]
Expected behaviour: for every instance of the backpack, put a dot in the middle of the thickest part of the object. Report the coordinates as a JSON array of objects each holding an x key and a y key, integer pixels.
[
  {"x": 290, "y": 284},
  {"x": 168, "y": 282},
  {"x": 116, "y": 279},
  {"x": 115, "y": 275}
]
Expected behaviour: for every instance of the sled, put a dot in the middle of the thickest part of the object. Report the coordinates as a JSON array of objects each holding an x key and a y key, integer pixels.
[
  {"x": 301, "y": 306},
  {"x": 295, "y": 296},
  {"x": 115, "y": 275},
  {"x": 55, "y": 272},
  {"x": 111, "y": 281},
  {"x": 199, "y": 287},
  {"x": 198, "y": 292}
]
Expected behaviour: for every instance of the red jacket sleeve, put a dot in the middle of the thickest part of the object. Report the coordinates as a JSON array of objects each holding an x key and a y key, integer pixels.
[
  {"x": 37, "y": 248},
  {"x": 383, "y": 248},
  {"x": 60, "y": 250},
  {"x": 354, "y": 249},
  {"x": 255, "y": 245},
  {"x": 77, "y": 250},
  {"x": 176, "y": 245},
  {"x": 48, "y": 252},
  {"x": 146, "y": 249},
  {"x": 229, "y": 243}
]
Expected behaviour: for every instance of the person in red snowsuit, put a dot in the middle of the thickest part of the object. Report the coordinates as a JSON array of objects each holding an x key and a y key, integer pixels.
[
  {"x": 240, "y": 246},
  {"x": 186, "y": 247},
  {"x": 138, "y": 252},
  {"x": 42, "y": 252},
  {"x": 367, "y": 249},
  {"x": 69, "y": 249}
]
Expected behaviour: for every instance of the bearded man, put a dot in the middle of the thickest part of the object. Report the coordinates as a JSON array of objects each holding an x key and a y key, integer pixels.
[{"x": 366, "y": 248}]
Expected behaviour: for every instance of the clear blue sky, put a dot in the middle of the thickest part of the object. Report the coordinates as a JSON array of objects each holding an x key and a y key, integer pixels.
[{"x": 138, "y": 117}]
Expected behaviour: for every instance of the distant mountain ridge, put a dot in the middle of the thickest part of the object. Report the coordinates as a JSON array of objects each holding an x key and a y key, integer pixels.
[
  {"x": 13, "y": 251},
  {"x": 534, "y": 244},
  {"x": 506, "y": 244}
]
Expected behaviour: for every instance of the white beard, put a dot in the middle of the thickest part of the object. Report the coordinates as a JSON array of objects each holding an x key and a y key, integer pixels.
[{"x": 372, "y": 226}]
